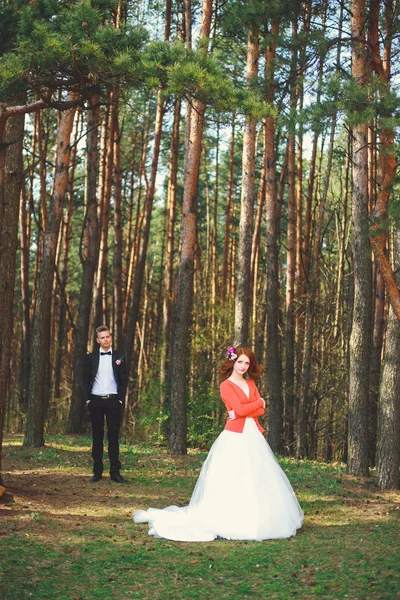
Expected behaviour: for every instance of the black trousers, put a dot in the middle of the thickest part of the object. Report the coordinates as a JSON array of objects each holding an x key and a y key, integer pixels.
[{"x": 109, "y": 408}]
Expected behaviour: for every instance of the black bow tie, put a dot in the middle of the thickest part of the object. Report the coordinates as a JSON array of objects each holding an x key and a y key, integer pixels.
[{"x": 103, "y": 353}]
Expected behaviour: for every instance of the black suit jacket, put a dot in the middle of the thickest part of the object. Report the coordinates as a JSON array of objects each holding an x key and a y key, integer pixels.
[{"x": 90, "y": 371}]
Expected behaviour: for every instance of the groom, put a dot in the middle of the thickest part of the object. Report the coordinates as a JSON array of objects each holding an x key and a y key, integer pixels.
[{"x": 104, "y": 387}]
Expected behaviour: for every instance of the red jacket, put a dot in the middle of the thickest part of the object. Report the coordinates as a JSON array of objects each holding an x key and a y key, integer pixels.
[{"x": 235, "y": 399}]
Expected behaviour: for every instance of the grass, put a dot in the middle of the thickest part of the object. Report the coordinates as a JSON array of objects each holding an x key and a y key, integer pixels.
[{"x": 63, "y": 538}]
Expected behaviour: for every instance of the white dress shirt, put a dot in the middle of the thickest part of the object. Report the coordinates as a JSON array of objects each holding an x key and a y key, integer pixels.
[{"x": 104, "y": 383}]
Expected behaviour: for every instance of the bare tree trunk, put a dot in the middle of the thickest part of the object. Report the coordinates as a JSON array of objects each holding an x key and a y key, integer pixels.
[
  {"x": 169, "y": 260},
  {"x": 183, "y": 307},
  {"x": 243, "y": 290},
  {"x": 387, "y": 157},
  {"x": 25, "y": 235},
  {"x": 11, "y": 180},
  {"x": 133, "y": 255},
  {"x": 256, "y": 331},
  {"x": 89, "y": 259},
  {"x": 100, "y": 307},
  {"x": 274, "y": 364},
  {"x": 61, "y": 352},
  {"x": 342, "y": 242},
  {"x": 301, "y": 438},
  {"x": 143, "y": 234},
  {"x": 290, "y": 281},
  {"x": 303, "y": 408},
  {"x": 34, "y": 435},
  {"x": 360, "y": 341},
  {"x": 388, "y": 474},
  {"x": 228, "y": 210},
  {"x": 388, "y": 452},
  {"x": 300, "y": 283},
  {"x": 291, "y": 244},
  {"x": 117, "y": 271}
]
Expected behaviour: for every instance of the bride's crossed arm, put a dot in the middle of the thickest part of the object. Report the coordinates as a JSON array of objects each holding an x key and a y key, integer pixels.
[
  {"x": 236, "y": 408},
  {"x": 256, "y": 413}
]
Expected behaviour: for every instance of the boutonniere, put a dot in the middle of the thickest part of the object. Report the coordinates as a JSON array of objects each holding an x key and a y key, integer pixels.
[{"x": 119, "y": 361}]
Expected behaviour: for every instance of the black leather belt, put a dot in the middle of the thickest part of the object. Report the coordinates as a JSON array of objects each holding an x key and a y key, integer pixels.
[{"x": 107, "y": 397}]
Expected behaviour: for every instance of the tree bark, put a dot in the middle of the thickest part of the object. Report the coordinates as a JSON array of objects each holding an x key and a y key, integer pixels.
[
  {"x": 274, "y": 364},
  {"x": 89, "y": 259},
  {"x": 34, "y": 434},
  {"x": 169, "y": 259},
  {"x": 100, "y": 306},
  {"x": 143, "y": 234},
  {"x": 243, "y": 290},
  {"x": 388, "y": 451},
  {"x": 360, "y": 341},
  {"x": 183, "y": 307},
  {"x": 25, "y": 236},
  {"x": 228, "y": 211},
  {"x": 118, "y": 236},
  {"x": 301, "y": 438},
  {"x": 11, "y": 180},
  {"x": 61, "y": 351},
  {"x": 387, "y": 157},
  {"x": 291, "y": 244},
  {"x": 305, "y": 380}
]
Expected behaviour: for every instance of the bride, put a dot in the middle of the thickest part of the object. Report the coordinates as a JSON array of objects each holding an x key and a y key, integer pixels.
[{"x": 242, "y": 492}]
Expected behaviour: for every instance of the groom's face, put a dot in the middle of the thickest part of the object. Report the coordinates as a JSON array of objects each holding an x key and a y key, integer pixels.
[{"x": 104, "y": 339}]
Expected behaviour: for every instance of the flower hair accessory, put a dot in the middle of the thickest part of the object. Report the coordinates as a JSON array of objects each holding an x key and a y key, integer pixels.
[{"x": 231, "y": 353}]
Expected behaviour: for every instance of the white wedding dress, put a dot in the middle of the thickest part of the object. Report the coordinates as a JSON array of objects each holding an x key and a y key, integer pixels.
[{"x": 241, "y": 494}]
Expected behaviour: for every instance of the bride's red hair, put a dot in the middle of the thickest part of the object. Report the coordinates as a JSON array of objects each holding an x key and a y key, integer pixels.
[{"x": 254, "y": 371}]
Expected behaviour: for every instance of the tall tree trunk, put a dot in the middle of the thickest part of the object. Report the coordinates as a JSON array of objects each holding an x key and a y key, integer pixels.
[
  {"x": 169, "y": 259},
  {"x": 376, "y": 361},
  {"x": 34, "y": 435},
  {"x": 360, "y": 341},
  {"x": 215, "y": 288},
  {"x": 25, "y": 236},
  {"x": 342, "y": 241},
  {"x": 228, "y": 210},
  {"x": 243, "y": 290},
  {"x": 89, "y": 258},
  {"x": 61, "y": 352},
  {"x": 256, "y": 331},
  {"x": 100, "y": 306},
  {"x": 301, "y": 438},
  {"x": 133, "y": 255},
  {"x": 274, "y": 364},
  {"x": 389, "y": 438},
  {"x": 388, "y": 452},
  {"x": 303, "y": 408},
  {"x": 117, "y": 271},
  {"x": 143, "y": 234},
  {"x": 387, "y": 157},
  {"x": 291, "y": 244},
  {"x": 290, "y": 281},
  {"x": 11, "y": 180},
  {"x": 300, "y": 274},
  {"x": 183, "y": 307}
]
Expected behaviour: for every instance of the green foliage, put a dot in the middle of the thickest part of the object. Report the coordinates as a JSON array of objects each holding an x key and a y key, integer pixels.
[
  {"x": 75, "y": 45},
  {"x": 203, "y": 427},
  {"x": 70, "y": 45},
  {"x": 363, "y": 103},
  {"x": 238, "y": 17}
]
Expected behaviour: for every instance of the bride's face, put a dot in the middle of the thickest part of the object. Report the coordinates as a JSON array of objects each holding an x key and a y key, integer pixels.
[{"x": 241, "y": 365}]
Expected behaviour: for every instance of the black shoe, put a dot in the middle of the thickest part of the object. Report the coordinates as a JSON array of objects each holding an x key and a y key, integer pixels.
[
  {"x": 118, "y": 478},
  {"x": 95, "y": 478}
]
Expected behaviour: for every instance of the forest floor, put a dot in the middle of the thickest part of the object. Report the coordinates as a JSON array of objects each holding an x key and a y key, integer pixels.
[{"x": 63, "y": 537}]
